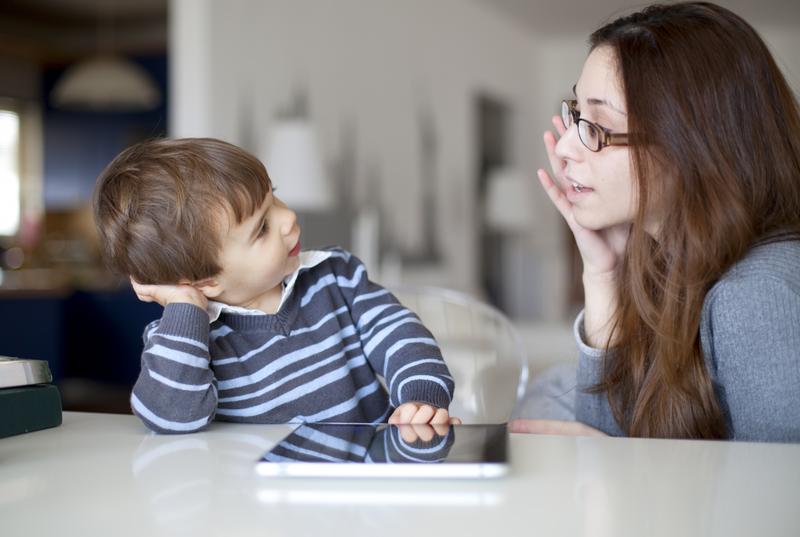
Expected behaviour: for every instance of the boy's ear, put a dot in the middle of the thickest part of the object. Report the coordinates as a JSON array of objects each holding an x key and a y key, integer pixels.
[{"x": 209, "y": 287}]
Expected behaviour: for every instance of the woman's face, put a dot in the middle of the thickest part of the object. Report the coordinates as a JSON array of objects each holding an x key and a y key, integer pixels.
[{"x": 600, "y": 185}]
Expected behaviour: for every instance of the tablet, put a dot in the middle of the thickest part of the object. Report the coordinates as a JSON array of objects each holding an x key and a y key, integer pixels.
[{"x": 389, "y": 451}]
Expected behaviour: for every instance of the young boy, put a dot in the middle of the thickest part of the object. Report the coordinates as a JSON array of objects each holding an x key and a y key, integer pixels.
[{"x": 253, "y": 329}]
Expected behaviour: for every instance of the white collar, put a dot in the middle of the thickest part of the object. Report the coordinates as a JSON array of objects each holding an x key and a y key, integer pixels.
[{"x": 308, "y": 259}]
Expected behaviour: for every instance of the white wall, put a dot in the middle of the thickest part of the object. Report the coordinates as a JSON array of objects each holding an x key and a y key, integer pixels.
[
  {"x": 784, "y": 42},
  {"x": 190, "y": 42},
  {"x": 376, "y": 64}
]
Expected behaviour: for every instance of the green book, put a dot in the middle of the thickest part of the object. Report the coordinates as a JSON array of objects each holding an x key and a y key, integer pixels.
[
  {"x": 29, "y": 408},
  {"x": 28, "y": 402}
]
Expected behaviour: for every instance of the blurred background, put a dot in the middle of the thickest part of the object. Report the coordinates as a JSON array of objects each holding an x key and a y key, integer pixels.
[{"x": 406, "y": 131}]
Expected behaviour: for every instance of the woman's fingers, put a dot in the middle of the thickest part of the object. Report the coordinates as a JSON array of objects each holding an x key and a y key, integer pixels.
[
  {"x": 569, "y": 428},
  {"x": 556, "y": 163},
  {"x": 594, "y": 248},
  {"x": 554, "y": 185},
  {"x": 559, "y": 125},
  {"x": 556, "y": 196}
]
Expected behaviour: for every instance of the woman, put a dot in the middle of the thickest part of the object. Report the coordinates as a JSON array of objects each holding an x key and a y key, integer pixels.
[{"x": 678, "y": 172}]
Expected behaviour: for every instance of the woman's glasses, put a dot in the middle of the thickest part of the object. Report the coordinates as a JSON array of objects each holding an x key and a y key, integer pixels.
[{"x": 592, "y": 135}]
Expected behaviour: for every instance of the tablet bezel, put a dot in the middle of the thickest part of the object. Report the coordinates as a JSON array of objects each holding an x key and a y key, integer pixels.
[{"x": 490, "y": 467}]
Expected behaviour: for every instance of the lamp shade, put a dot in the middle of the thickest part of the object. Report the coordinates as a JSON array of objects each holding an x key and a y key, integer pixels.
[
  {"x": 509, "y": 201},
  {"x": 294, "y": 165},
  {"x": 106, "y": 84}
]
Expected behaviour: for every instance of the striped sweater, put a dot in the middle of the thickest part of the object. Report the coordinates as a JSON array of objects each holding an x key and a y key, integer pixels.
[{"x": 319, "y": 358}]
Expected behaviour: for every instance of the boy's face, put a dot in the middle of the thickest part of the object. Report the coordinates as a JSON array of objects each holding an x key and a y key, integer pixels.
[{"x": 257, "y": 255}]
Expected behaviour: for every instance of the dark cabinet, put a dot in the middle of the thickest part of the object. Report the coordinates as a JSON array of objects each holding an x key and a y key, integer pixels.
[{"x": 83, "y": 334}]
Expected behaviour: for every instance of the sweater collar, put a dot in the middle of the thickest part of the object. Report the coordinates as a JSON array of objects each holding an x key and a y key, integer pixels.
[{"x": 308, "y": 259}]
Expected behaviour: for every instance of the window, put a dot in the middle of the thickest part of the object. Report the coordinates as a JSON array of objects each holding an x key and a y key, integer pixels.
[{"x": 9, "y": 173}]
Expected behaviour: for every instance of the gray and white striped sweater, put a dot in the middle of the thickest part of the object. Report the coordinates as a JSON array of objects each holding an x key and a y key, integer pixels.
[{"x": 317, "y": 359}]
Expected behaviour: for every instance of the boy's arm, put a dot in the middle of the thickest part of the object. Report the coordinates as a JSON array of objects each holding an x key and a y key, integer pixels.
[
  {"x": 397, "y": 345},
  {"x": 176, "y": 390}
]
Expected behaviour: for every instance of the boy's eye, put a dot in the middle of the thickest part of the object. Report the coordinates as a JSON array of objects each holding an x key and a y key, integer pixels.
[{"x": 263, "y": 229}]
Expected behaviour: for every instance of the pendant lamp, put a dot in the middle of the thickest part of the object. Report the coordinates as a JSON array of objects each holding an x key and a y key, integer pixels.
[{"x": 106, "y": 83}]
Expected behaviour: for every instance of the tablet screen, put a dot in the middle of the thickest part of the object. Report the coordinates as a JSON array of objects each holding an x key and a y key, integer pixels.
[{"x": 362, "y": 450}]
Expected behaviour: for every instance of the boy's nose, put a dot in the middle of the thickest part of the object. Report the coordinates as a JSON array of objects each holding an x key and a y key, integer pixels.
[
  {"x": 287, "y": 217},
  {"x": 289, "y": 221}
]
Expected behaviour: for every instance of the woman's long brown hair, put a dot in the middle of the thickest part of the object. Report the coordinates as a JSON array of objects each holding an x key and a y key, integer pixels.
[{"x": 716, "y": 152}]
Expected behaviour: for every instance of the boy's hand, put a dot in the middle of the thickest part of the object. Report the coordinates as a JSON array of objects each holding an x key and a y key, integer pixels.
[
  {"x": 169, "y": 294},
  {"x": 417, "y": 413},
  {"x": 424, "y": 432}
]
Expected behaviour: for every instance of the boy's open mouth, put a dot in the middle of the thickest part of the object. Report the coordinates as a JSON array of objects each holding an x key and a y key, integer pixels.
[{"x": 295, "y": 250}]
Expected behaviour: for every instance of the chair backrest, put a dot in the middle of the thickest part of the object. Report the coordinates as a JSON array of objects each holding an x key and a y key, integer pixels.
[{"x": 481, "y": 347}]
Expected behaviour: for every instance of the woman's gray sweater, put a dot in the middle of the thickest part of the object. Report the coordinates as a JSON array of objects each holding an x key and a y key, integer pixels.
[{"x": 750, "y": 336}]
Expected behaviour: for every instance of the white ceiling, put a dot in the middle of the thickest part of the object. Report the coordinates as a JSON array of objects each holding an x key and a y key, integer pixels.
[
  {"x": 581, "y": 16},
  {"x": 55, "y": 28}
]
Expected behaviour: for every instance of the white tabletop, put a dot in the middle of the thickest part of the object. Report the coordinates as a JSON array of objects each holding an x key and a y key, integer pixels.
[{"x": 102, "y": 474}]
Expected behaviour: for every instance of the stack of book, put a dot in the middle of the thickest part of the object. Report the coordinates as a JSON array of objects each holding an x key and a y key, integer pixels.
[{"x": 28, "y": 400}]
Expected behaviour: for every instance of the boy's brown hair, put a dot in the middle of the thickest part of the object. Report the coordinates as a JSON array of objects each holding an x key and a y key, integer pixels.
[{"x": 159, "y": 206}]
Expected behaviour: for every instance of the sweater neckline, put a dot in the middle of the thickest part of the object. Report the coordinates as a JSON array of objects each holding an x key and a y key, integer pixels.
[{"x": 268, "y": 322}]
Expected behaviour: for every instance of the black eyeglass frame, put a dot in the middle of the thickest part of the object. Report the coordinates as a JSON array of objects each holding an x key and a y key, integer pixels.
[{"x": 607, "y": 137}]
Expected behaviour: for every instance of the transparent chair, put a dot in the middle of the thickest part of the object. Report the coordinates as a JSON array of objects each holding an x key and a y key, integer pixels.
[{"x": 481, "y": 347}]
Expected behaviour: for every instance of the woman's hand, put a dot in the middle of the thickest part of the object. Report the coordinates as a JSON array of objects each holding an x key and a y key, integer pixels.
[
  {"x": 566, "y": 428},
  {"x": 600, "y": 250},
  {"x": 168, "y": 294}
]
